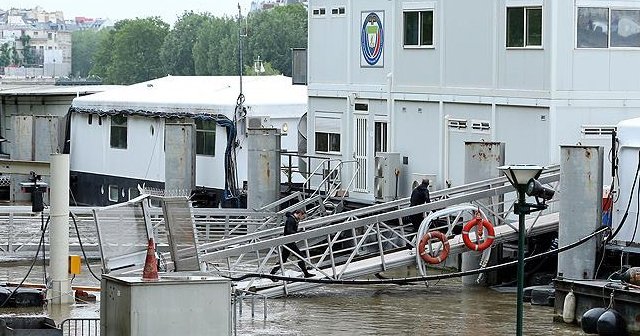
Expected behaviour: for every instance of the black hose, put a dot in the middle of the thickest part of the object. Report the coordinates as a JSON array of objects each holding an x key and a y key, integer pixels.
[
  {"x": 73, "y": 216},
  {"x": 408, "y": 280},
  {"x": 44, "y": 250},
  {"x": 35, "y": 258}
]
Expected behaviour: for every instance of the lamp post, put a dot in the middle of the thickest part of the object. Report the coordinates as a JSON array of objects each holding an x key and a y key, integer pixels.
[{"x": 520, "y": 176}]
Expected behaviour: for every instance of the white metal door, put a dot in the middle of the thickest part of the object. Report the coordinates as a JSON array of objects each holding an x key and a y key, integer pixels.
[{"x": 360, "y": 153}]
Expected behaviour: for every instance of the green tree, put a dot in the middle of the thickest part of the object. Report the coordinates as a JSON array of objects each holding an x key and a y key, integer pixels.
[
  {"x": 215, "y": 49},
  {"x": 273, "y": 33},
  {"x": 177, "y": 50},
  {"x": 85, "y": 46},
  {"x": 6, "y": 55},
  {"x": 29, "y": 56},
  {"x": 131, "y": 52},
  {"x": 103, "y": 57},
  {"x": 255, "y": 70}
]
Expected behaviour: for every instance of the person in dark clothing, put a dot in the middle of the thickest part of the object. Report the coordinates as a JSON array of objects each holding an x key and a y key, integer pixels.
[
  {"x": 291, "y": 227},
  {"x": 419, "y": 195}
]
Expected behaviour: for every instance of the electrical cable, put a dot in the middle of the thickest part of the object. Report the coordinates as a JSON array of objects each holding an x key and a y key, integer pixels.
[
  {"x": 408, "y": 280},
  {"x": 35, "y": 258},
  {"x": 44, "y": 254},
  {"x": 73, "y": 216}
]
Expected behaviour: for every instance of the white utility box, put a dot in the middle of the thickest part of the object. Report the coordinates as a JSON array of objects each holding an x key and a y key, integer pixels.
[{"x": 181, "y": 303}]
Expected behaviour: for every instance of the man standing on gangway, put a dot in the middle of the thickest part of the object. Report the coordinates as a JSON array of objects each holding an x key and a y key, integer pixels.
[{"x": 291, "y": 227}]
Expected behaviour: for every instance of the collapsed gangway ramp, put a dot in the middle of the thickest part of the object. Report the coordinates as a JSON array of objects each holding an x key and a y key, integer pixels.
[{"x": 365, "y": 241}]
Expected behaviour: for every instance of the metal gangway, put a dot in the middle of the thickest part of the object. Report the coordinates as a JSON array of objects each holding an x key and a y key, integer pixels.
[{"x": 369, "y": 240}]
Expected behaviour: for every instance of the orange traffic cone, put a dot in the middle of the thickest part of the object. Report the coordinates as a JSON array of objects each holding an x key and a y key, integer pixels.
[{"x": 150, "y": 270}]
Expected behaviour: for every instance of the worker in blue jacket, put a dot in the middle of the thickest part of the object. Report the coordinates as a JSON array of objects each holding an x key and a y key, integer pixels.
[{"x": 291, "y": 227}]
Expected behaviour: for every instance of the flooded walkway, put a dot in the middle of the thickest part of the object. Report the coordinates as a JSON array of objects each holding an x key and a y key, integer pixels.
[{"x": 442, "y": 308}]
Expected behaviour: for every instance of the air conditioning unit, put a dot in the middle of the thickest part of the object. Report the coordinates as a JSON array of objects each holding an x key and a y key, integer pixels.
[
  {"x": 259, "y": 122},
  {"x": 416, "y": 179},
  {"x": 387, "y": 167}
]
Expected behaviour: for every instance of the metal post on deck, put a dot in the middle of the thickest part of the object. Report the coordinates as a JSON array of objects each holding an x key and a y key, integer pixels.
[
  {"x": 60, "y": 291},
  {"x": 524, "y": 180},
  {"x": 521, "y": 230}
]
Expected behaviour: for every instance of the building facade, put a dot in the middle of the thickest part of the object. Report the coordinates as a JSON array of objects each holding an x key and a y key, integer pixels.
[{"x": 421, "y": 78}]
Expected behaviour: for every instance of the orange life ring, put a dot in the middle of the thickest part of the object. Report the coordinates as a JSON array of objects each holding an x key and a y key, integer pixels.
[
  {"x": 426, "y": 240},
  {"x": 480, "y": 223}
]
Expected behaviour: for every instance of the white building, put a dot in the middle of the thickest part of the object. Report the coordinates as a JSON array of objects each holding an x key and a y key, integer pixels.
[
  {"x": 422, "y": 77},
  {"x": 117, "y": 137}
]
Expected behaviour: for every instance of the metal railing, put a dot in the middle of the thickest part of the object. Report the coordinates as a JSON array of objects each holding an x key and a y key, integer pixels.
[
  {"x": 80, "y": 327},
  {"x": 332, "y": 244}
]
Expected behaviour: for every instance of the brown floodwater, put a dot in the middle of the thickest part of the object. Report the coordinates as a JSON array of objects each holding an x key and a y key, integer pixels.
[{"x": 438, "y": 308}]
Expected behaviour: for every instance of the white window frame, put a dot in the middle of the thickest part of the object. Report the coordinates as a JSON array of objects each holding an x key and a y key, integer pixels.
[
  {"x": 384, "y": 138},
  {"x": 318, "y": 15},
  {"x": 328, "y": 149},
  {"x": 526, "y": 7},
  {"x": 420, "y": 7},
  {"x": 206, "y": 132},
  {"x": 331, "y": 126},
  {"x": 117, "y": 193},
  {"x": 343, "y": 14},
  {"x": 119, "y": 126},
  {"x": 610, "y": 6}
]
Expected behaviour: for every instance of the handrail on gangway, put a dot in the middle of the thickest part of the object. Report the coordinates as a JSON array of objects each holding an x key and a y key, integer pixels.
[{"x": 370, "y": 232}]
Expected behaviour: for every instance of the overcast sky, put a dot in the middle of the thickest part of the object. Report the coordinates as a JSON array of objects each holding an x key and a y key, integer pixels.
[{"x": 168, "y": 10}]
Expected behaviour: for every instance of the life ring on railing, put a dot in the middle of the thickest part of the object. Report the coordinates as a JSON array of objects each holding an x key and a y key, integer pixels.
[
  {"x": 426, "y": 240},
  {"x": 481, "y": 225}
]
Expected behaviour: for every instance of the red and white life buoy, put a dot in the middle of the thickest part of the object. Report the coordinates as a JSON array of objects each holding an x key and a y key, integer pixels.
[
  {"x": 481, "y": 225},
  {"x": 426, "y": 239}
]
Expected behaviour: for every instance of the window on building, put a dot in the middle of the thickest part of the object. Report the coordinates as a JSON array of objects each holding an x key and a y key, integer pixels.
[
  {"x": 327, "y": 142},
  {"x": 592, "y": 29},
  {"x": 113, "y": 193},
  {"x": 119, "y": 132},
  {"x": 599, "y": 27},
  {"x": 418, "y": 28},
  {"x": 381, "y": 138},
  {"x": 524, "y": 27},
  {"x": 206, "y": 137},
  {"x": 133, "y": 193},
  {"x": 327, "y": 133},
  {"x": 319, "y": 11},
  {"x": 338, "y": 11},
  {"x": 625, "y": 28}
]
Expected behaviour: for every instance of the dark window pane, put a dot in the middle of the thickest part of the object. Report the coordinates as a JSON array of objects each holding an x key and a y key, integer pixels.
[
  {"x": 426, "y": 29},
  {"x": 334, "y": 142},
  {"x": 322, "y": 142},
  {"x": 378, "y": 138},
  {"x": 625, "y": 28},
  {"x": 119, "y": 120},
  {"x": 411, "y": 28},
  {"x": 593, "y": 27},
  {"x": 515, "y": 27},
  {"x": 118, "y": 138},
  {"x": 205, "y": 137},
  {"x": 534, "y": 27},
  {"x": 361, "y": 107}
]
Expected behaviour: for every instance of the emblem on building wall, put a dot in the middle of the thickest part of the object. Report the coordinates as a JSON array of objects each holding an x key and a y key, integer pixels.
[{"x": 372, "y": 39}]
